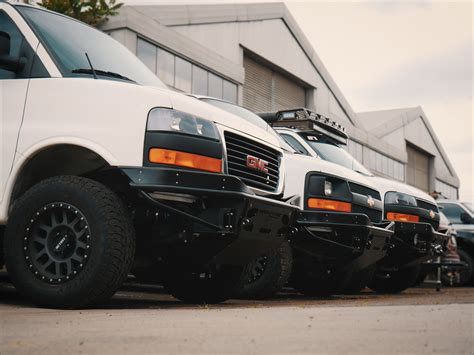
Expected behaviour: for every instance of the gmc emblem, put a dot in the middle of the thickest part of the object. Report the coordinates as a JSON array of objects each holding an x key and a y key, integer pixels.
[{"x": 257, "y": 164}]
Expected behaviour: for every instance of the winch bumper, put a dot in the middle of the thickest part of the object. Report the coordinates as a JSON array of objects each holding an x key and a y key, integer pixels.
[
  {"x": 413, "y": 244},
  {"x": 341, "y": 240},
  {"x": 230, "y": 224}
]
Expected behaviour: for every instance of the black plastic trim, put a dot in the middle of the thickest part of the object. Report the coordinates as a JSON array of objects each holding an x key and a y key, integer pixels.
[
  {"x": 341, "y": 192},
  {"x": 181, "y": 142}
]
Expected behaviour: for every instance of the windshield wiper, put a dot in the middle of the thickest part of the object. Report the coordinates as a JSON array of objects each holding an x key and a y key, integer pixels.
[{"x": 102, "y": 73}]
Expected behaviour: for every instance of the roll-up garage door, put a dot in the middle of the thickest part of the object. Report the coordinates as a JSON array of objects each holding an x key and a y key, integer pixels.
[
  {"x": 266, "y": 90},
  {"x": 418, "y": 168}
]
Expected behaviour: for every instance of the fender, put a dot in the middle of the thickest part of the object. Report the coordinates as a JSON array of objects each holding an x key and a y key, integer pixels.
[{"x": 22, "y": 159}]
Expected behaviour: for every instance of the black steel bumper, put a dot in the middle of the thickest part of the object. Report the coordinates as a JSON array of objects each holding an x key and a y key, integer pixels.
[
  {"x": 341, "y": 240},
  {"x": 230, "y": 224},
  {"x": 413, "y": 244}
]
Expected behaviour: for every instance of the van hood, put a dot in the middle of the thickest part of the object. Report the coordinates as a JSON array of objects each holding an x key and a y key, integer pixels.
[
  {"x": 386, "y": 185},
  {"x": 199, "y": 108}
]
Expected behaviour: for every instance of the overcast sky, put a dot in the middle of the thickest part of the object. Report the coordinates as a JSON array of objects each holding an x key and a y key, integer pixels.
[
  {"x": 391, "y": 54},
  {"x": 386, "y": 55}
]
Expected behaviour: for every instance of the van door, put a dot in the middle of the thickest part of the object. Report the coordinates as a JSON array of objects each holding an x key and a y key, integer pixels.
[{"x": 14, "y": 81}]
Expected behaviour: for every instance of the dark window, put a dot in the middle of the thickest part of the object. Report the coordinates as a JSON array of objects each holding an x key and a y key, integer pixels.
[
  {"x": 147, "y": 54},
  {"x": 165, "y": 66},
  {"x": 453, "y": 212},
  {"x": 15, "y": 45},
  {"x": 294, "y": 144},
  {"x": 182, "y": 80},
  {"x": 68, "y": 41},
  {"x": 230, "y": 92},
  {"x": 199, "y": 81},
  {"x": 215, "y": 86}
]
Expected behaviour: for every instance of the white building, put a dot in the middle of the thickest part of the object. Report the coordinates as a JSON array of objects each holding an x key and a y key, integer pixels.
[{"x": 257, "y": 56}]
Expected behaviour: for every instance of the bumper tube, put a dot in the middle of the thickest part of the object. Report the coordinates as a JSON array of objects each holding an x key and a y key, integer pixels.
[
  {"x": 341, "y": 240},
  {"x": 235, "y": 227},
  {"x": 413, "y": 244}
]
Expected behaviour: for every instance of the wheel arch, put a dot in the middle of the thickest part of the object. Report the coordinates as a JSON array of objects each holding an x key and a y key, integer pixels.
[{"x": 68, "y": 157}]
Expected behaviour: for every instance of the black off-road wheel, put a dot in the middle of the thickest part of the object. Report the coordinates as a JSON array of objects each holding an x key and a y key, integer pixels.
[
  {"x": 395, "y": 281},
  {"x": 209, "y": 287},
  {"x": 359, "y": 280},
  {"x": 69, "y": 243},
  {"x": 267, "y": 275}
]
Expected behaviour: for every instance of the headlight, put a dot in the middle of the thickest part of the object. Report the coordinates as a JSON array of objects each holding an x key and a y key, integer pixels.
[
  {"x": 327, "y": 188},
  {"x": 397, "y": 198},
  {"x": 324, "y": 187},
  {"x": 163, "y": 119}
]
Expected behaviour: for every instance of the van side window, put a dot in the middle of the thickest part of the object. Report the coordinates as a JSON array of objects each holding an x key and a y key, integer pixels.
[{"x": 14, "y": 45}]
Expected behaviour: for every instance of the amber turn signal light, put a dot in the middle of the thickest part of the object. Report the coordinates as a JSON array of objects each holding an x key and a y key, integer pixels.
[
  {"x": 187, "y": 160},
  {"x": 402, "y": 217},
  {"x": 329, "y": 205}
]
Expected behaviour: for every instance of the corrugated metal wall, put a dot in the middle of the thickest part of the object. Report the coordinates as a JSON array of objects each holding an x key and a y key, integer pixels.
[
  {"x": 267, "y": 90},
  {"x": 418, "y": 169}
]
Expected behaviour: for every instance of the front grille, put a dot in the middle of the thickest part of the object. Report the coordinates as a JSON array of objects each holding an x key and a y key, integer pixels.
[
  {"x": 374, "y": 215},
  {"x": 239, "y": 148},
  {"x": 426, "y": 205},
  {"x": 364, "y": 190}
]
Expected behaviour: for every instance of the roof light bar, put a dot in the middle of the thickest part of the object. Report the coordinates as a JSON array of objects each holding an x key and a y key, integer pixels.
[{"x": 303, "y": 118}]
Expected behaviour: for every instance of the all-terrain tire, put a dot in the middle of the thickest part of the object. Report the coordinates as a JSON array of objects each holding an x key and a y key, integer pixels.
[
  {"x": 328, "y": 284},
  {"x": 359, "y": 280},
  {"x": 69, "y": 243},
  {"x": 267, "y": 275},
  {"x": 397, "y": 281},
  {"x": 204, "y": 288}
]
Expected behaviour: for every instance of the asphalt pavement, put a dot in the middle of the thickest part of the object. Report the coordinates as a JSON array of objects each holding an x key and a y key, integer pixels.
[{"x": 144, "y": 320}]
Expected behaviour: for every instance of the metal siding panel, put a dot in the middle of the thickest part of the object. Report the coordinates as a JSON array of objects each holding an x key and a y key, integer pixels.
[
  {"x": 257, "y": 90},
  {"x": 267, "y": 90},
  {"x": 418, "y": 169},
  {"x": 287, "y": 94}
]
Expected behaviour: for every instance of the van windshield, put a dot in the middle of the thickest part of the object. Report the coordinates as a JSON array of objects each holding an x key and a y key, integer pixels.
[
  {"x": 328, "y": 150},
  {"x": 68, "y": 40}
]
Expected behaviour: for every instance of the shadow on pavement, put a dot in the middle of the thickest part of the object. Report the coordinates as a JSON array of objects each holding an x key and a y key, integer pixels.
[{"x": 135, "y": 295}]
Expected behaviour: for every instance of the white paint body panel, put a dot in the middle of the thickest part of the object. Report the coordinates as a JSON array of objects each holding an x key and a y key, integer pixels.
[{"x": 12, "y": 100}]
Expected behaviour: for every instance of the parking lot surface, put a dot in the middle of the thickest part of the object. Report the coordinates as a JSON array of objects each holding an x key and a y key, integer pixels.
[{"x": 143, "y": 320}]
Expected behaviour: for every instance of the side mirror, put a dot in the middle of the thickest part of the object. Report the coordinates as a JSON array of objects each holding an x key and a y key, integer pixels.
[
  {"x": 8, "y": 62},
  {"x": 465, "y": 218}
]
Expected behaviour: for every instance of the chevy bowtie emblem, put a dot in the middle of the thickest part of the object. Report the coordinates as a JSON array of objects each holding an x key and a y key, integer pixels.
[
  {"x": 432, "y": 214},
  {"x": 257, "y": 164},
  {"x": 370, "y": 201}
]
